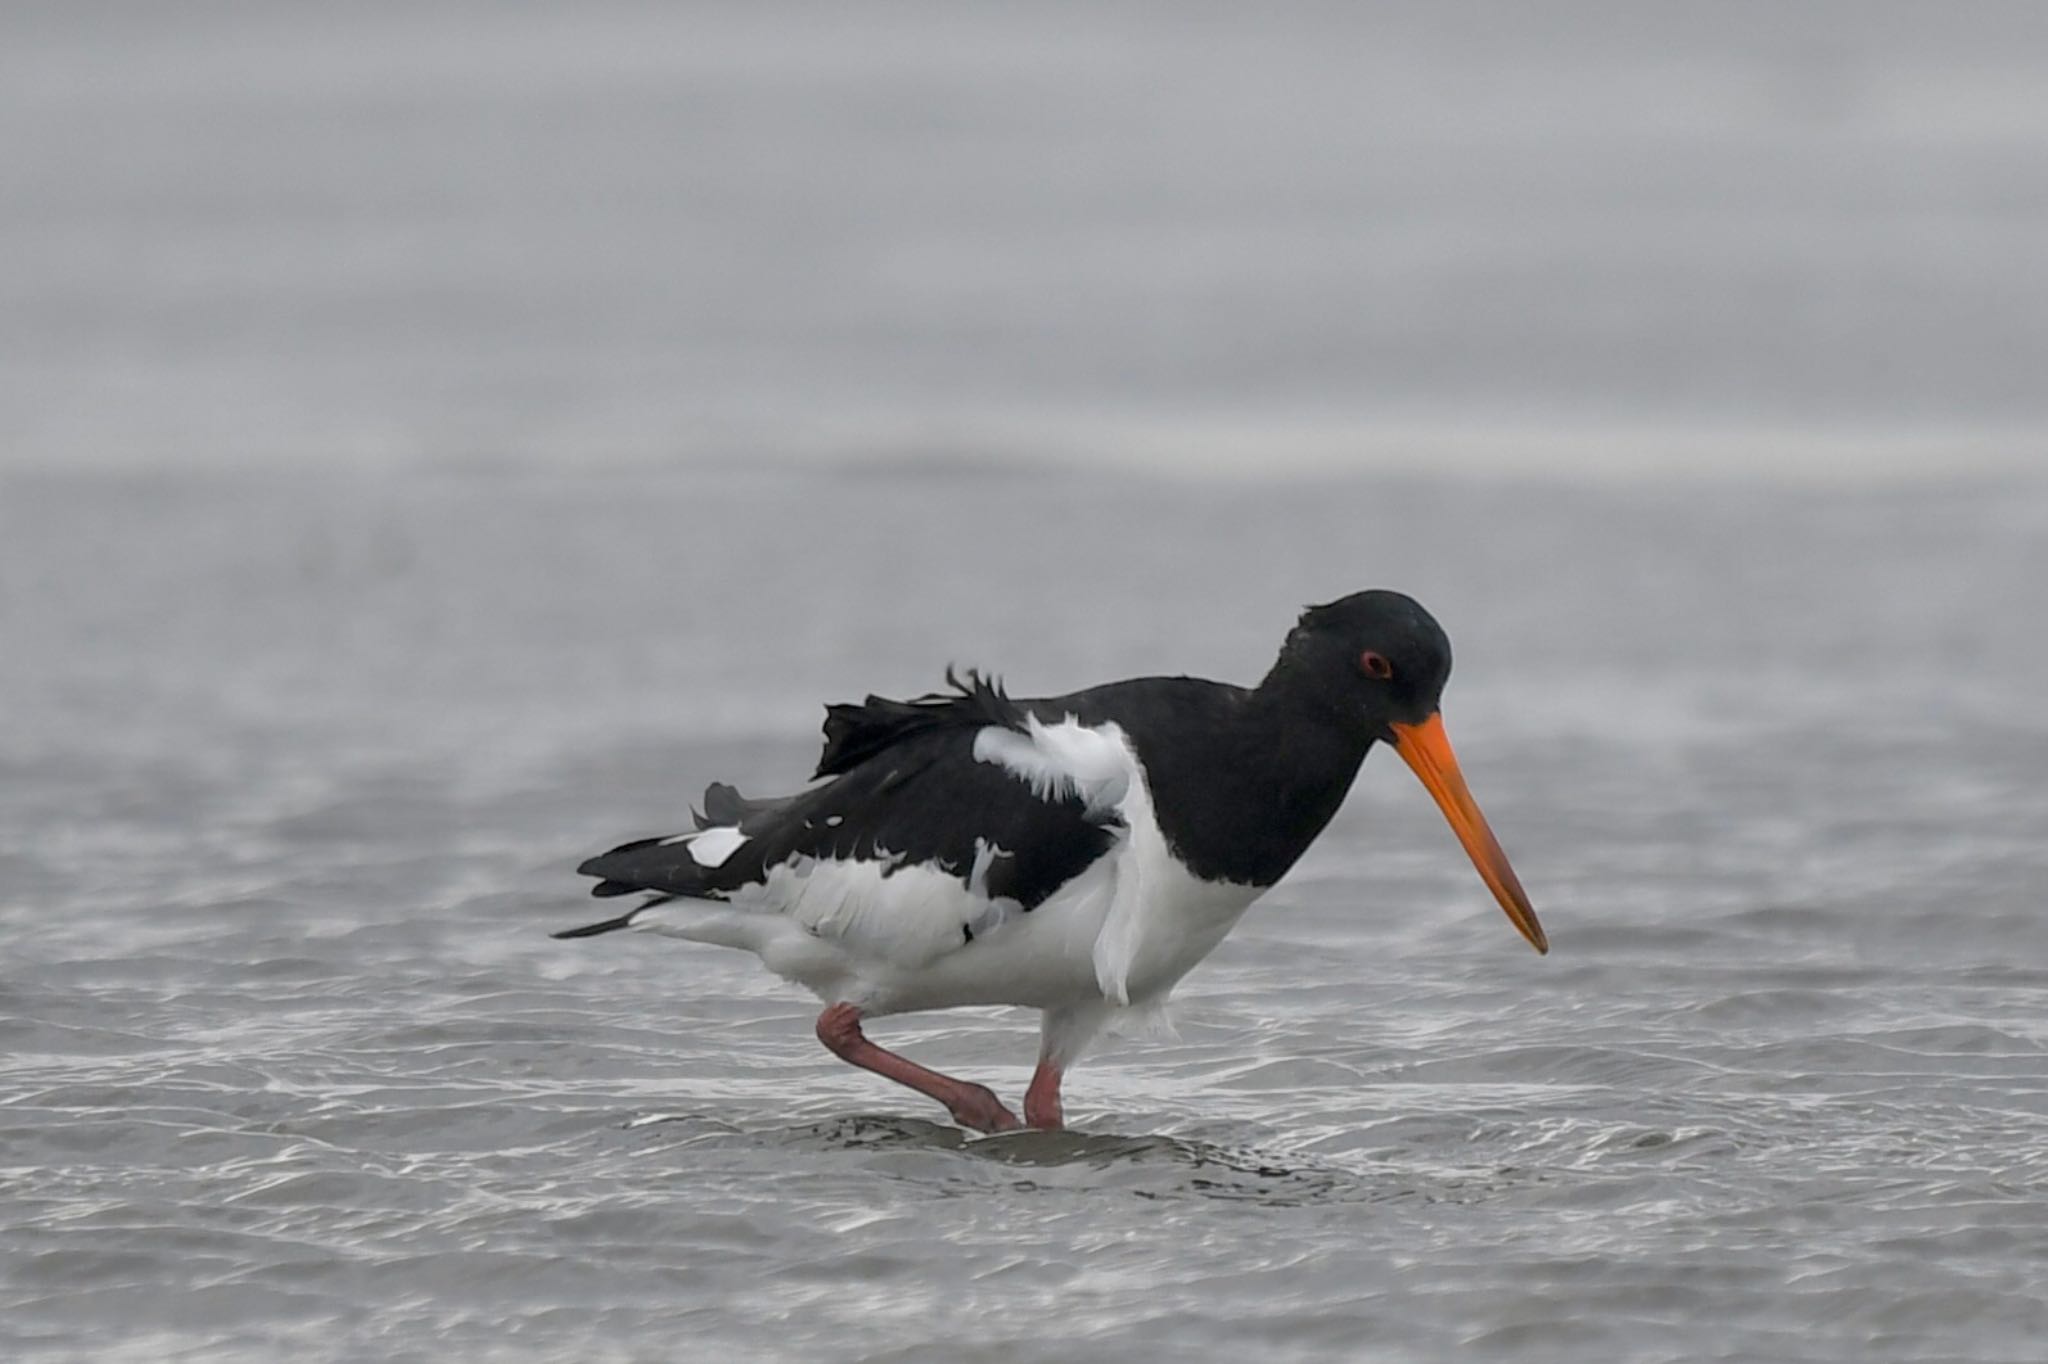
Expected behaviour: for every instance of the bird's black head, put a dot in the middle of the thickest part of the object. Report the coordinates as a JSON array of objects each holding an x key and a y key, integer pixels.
[
  {"x": 1378, "y": 661},
  {"x": 1375, "y": 655}
]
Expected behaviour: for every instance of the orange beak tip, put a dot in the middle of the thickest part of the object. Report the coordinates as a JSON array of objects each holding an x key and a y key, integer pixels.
[{"x": 1427, "y": 751}]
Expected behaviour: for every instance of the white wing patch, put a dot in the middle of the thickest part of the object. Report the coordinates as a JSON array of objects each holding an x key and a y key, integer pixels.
[
  {"x": 1064, "y": 761},
  {"x": 711, "y": 847}
]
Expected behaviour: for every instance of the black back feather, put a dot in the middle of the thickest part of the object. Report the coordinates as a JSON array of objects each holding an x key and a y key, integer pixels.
[
  {"x": 905, "y": 789},
  {"x": 856, "y": 733}
]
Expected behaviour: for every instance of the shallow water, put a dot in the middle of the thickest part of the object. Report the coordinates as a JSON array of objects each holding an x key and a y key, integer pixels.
[{"x": 293, "y": 774}]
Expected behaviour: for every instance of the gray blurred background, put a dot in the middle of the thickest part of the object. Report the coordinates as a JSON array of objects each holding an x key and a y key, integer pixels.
[
  {"x": 437, "y": 439},
  {"x": 1558, "y": 237}
]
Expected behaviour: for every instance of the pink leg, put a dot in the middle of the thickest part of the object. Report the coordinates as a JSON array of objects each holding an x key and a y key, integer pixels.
[
  {"x": 1042, "y": 1100},
  {"x": 971, "y": 1105}
]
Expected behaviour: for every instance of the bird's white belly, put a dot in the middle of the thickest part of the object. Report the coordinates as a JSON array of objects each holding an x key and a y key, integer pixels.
[
  {"x": 1045, "y": 959},
  {"x": 1049, "y": 958}
]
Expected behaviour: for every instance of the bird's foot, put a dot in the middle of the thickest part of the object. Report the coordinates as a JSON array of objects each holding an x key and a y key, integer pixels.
[
  {"x": 976, "y": 1106},
  {"x": 1042, "y": 1100}
]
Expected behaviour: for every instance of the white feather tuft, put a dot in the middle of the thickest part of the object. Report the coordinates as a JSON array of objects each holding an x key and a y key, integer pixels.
[
  {"x": 1148, "y": 1020},
  {"x": 1064, "y": 761},
  {"x": 1097, "y": 765}
]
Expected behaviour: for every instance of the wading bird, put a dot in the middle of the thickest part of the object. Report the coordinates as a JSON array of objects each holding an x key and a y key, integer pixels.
[{"x": 1074, "y": 854}]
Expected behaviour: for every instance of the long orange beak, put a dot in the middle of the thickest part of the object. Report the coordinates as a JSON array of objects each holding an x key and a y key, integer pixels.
[{"x": 1427, "y": 750}]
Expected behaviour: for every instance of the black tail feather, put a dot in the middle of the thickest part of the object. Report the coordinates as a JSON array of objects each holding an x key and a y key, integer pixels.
[
  {"x": 623, "y": 921},
  {"x": 592, "y": 930},
  {"x": 634, "y": 846},
  {"x": 724, "y": 805},
  {"x": 661, "y": 865}
]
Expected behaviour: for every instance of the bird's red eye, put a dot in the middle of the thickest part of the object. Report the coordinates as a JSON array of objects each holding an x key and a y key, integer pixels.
[{"x": 1375, "y": 665}]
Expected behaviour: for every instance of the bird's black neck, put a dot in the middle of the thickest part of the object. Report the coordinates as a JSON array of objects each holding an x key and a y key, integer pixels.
[
  {"x": 1243, "y": 780},
  {"x": 1302, "y": 749}
]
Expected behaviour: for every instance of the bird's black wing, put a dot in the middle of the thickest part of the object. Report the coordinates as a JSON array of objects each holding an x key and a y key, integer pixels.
[{"x": 905, "y": 798}]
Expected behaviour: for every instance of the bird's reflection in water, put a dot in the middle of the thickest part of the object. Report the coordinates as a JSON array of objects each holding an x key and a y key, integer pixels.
[
  {"x": 1144, "y": 1166},
  {"x": 1151, "y": 1165}
]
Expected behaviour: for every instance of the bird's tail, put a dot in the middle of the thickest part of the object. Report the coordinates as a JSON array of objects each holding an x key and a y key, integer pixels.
[{"x": 615, "y": 923}]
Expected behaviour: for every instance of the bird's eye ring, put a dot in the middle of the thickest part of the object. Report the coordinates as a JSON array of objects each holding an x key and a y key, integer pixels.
[{"x": 1374, "y": 664}]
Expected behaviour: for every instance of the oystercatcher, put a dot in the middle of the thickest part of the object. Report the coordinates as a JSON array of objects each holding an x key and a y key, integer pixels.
[{"x": 1075, "y": 854}]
